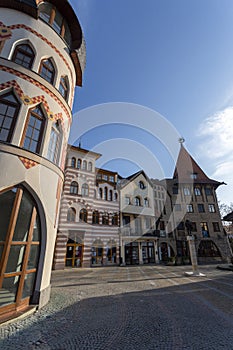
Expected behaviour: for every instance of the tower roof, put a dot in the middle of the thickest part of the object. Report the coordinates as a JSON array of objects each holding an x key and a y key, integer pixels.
[{"x": 187, "y": 170}]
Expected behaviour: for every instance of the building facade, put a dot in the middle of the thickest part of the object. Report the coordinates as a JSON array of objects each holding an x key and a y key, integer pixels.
[
  {"x": 191, "y": 207},
  {"x": 89, "y": 217},
  {"x": 106, "y": 219},
  {"x": 137, "y": 220},
  {"x": 42, "y": 55}
]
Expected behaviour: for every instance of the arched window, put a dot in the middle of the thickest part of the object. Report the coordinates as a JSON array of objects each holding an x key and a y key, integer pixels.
[
  {"x": 90, "y": 166},
  {"x": 137, "y": 201},
  {"x": 110, "y": 195},
  {"x": 83, "y": 215},
  {"x": 105, "y": 219},
  {"x": 23, "y": 55},
  {"x": 9, "y": 108},
  {"x": 47, "y": 70},
  {"x": 74, "y": 187},
  {"x": 64, "y": 87},
  {"x": 84, "y": 165},
  {"x": 115, "y": 196},
  {"x": 85, "y": 190},
  {"x": 71, "y": 214},
  {"x": 142, "y": 185},
  {"x": 73, "y": 162},
  {"x": 101, "y": 193},
  {"x": 34, "y": 130},
  {"x": 146, "y": 202},
  {"x": 95, "y": 217},
  {"x": 94, "y": 193},
  {"x": 55, "y": 143},
  {"x": 105, "y": 193},
  {"x": 115, "y": 220},
  {"x": 20, "y": 232}
]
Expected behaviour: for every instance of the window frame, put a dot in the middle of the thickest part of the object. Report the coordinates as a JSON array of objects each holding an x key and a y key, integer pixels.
[
  {"x": 15, "y": 105},
  {"x": 74, "y": 187},
  {"x": 42, "y": 118},
  {"x": 53, "y": 72},
  {"x": 18, "y": 49}
]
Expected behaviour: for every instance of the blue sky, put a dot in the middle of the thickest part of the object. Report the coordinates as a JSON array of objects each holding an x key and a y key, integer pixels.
[{"x": 172, "y": 56}]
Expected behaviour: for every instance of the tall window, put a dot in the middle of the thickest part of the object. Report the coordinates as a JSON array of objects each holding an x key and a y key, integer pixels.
[
  {"x": 100, "y": 193},
  {"x": 197, "y": 191},
  {"x": 90, "y": 166},
  {"x": 23, "y": 55},
  {"x": 71, "y": 215},
  {"x": 63, "y": 87},
  {"x": 85, "y": 190},
  {"x": 84, "y": 165},
  {"x": 95, "y": 217},
  {"x": 55, "y": 143},
  {"x": 142, "y": 185},
  {"x": 83, "y": 215},
  {"x": 115, "y": 220},
  {"x": 137, "y": 201},
  {"x": 47, "y": 70},
  {"x": 189, "y": 208},
  {"x": 187, "y": 191},
  {"x": 53, "y": 17},
  {"x": 216, "y": 227},
  {"x": 211, "y": 208},
  {"x": 9, "y": 108},
  {"x": 105, "y": 219},
  {"x": 201, "y": 208},
  {"x": 105, "y": 193},
  {"x": 73, "y": 162},
  {"x": 110, "y": 195},
  {"x": 74, "y": 187},
  {"x": 34, "y": 130},
  {"x": 79, "y": 163},
  {"x": 146, "y": 202},
  {"x": 204, "y": 229}
]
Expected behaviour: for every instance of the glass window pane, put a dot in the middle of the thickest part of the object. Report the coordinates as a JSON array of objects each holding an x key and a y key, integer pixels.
[
  {"x": 6, "y": 205},
  {"x": 28, "y": 285},
  {"x": 33, "y": 257},
  {"x": 24, "y": 218},
  {"x": 15, "y": 260},
  {"x": 36, "y": 230},
  {"x": 9, "y": 290},
  {"x": 1, "y": 251}
]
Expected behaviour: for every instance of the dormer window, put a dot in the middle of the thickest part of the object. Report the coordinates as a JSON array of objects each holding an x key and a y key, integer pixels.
[
  {"x": 193, "y": 176},
  {"x": 142, "y": 185},
  {"x": 54, "y": 18}
]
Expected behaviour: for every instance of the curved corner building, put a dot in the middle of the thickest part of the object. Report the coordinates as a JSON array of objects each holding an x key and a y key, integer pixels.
[{"x": 42, "y": 56}]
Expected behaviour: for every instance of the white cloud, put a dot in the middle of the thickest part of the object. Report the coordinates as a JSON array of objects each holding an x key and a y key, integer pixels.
[
  {"x": 218, "y": 132},
  {"x": 216, "y": 148}
]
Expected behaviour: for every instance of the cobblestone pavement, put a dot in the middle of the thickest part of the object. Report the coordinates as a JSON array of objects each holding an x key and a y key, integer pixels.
[{"x": 142, "y": 307}]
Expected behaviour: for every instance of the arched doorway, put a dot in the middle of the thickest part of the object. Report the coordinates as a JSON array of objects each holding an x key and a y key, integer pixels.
[
  {"x": 208, "y": 251},
  {"x": 20, "y": 243}
]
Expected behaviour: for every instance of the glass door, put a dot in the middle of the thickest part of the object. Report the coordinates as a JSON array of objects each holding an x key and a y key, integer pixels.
[{"x": 19, "y": 248}]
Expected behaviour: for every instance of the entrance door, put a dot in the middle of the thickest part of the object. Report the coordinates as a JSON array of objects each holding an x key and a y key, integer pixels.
[
  {"x": 148, "y": 252},
  {"x": 20, "y": 237},
  {"x": 132, "y": 253},
  {"x": 74, "y": 254}
]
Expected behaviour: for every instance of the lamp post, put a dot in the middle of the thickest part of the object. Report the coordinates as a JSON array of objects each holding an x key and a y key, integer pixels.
[{"x": 192, "y": 251}]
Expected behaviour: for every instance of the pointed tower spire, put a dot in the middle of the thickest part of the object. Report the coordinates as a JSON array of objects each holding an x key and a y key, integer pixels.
[{"x": 187, "y": 170}]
